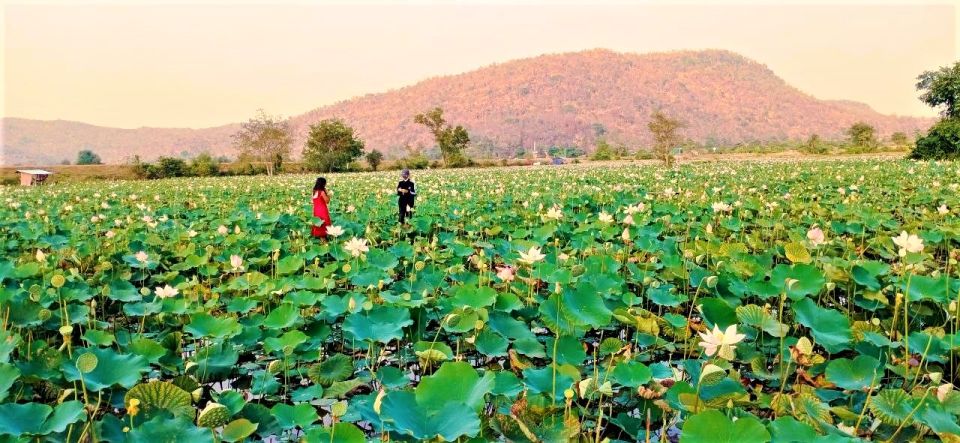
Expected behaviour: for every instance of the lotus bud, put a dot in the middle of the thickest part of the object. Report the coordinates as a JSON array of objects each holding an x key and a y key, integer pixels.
[
  {"x": 711, "y": 281},
  {"x": 568, "y": 394},
  {"x": 790, "y": 283},
  {"x": 557, "y": 288},
  {"x": 935, "y": 376},
  {"x": 479, "y": 324},
  {"x": 379, "y": 401},
  {"x": 831, "y": 286},
  {"x": 351, "y": 304}
]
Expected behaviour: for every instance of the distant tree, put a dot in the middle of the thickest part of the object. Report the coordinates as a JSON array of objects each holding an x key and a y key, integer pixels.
[
  {"x": 451, "y": 140},
  {"x": 264, "y": 138},
  {"x": 88, "y": 157},
  {"x": 621, "y": 151},
  {"x": 65, "y": 162},
  {"x": 374, "y": 158},
  {"x": 665, "y": 136},
  {"x": 204, "y": 165},
  {"x": 598, "y": 130},
  {"x": 171, "y": 167},
  {"x": 900, "y": 140},
  {"x": 862, "y": 135},
  {"x": 941, "y": 88},
  {"x": 603, "y": 152},
  {"x": 331, "y": 146},
  {"x": 815, "y": 145}
]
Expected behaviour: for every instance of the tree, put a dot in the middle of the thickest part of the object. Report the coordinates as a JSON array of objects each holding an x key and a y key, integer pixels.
[
  {"x": 331, "y": 146},
  {"x": 815, "y": 145},
  {"x": 204, "y": 165},
  {"x": 941, "y": 88},
  {"x": 941, "y": 142},
  {"x": 451, "y": 140},
  {"x": 88, "y": 157},
  {"x": 900, "y": 140},
  {"x": 603, "y": 152},
  {"x": 665, "y": 136},
  {"x": 374, "y": 158},
  {"x": 862, "y": 135},
  {"x": 265, "y": 138}
]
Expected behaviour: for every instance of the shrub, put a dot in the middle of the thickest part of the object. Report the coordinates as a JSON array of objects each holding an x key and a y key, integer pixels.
[
  {"x": 204, "y": 165},
  {"x": 941, "y": 142}
]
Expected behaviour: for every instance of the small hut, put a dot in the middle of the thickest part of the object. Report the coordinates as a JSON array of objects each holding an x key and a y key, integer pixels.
[{"x": 33, "y": 177}]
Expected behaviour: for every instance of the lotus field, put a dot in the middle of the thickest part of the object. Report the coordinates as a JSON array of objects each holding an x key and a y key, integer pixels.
[{"x": 721, "y": 302}]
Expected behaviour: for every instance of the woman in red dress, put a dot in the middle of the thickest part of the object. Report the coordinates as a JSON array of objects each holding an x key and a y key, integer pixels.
[{"x": 321, "y": 197}]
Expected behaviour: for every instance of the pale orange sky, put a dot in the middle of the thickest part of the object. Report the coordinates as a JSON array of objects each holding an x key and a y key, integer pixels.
[{"x": 196, "y": 65}]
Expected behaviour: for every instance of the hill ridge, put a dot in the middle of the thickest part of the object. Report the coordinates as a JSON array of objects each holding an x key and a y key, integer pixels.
[{"x": 569, "y": 98}]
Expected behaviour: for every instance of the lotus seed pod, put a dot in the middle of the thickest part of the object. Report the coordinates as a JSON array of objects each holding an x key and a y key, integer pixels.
[
  {"x": 87, "y": 362},
  {"x": 568, "y": 393},
  {"x": 346, "y": 268},
  {"x": 57, "y": 281},
  {"x": 275, "y": 367},
  {"x": 44, "y": 315},
  {"x": 66, "y": 330},
  {"x": 479, "y": 324},
  {"x": 830, "y": 286},
  {"x": 144, "y": 291}
]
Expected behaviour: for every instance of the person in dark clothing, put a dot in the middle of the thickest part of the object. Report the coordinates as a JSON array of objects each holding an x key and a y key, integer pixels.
[{"x": 405, "y": 195}]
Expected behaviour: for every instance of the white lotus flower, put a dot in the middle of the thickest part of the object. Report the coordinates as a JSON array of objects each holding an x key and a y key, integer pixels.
[
  {"x": 166, "y": 291},
  {"x": 721, "y": 207},
  {"x": 191, "y": 233},
  {"x": 531, "y": 256},
  {"x": 943, "y": 391},
  {"x": 554, "y": 213},
  {"x": 142, "y": 257},
  {"x": 722, "y": 343},
  {"x": 628, "y": 220},
  {"x": 605, "y": 218},
  {"x": 222, "y": 230},
  {"x": 943, "y": 210},
  {"x": 236, "y": 262},
  {"x": 111, "y": 234},
  {"x": 816, "y": 237},
  {"x": 41, "y": 256},
  {"x": 356, "y": 246},
  {"x": 908, "y": 243},
  {"x": 335, "y": 231},
  {"x": 625, "y": 235}
]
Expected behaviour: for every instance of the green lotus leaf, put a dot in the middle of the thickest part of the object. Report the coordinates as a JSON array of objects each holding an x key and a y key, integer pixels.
[
  {"x": 631, "y": 374},
  {"x": 112, "y": 369},
  {"x": 450, "y": 422},
  {"x": 473, "y": 296},
  {"x": 830, "y": 327},
  {"x": 789, "y": 430},
  {"x": 289, "y": 265},
  {"x": 585, "y": 305},
  {"x": 161, "y": 395},
  {"x": 289, "y": 416},
  {"x": 381, "y": 324},
  {"x": 17, "y": 419},
  {"x": 237, "y": 430},
  {"x": 8, "y": 375},
  {"x": 714, "y": 427},
  {"x": 808, "y": 280},
  {"x": 892, "y": 406},
  {"x": 454, "y": 382},
  {"x": 857, "y": 374},
  {"x": 547, "y": 381},
  {"x": 64, "y": 415},
  {"x": 282, "y": 316},
  {"x": 163, "y": 429},
  {"x": 206, "y": 325},
  {"x": 337, "y": 367}
]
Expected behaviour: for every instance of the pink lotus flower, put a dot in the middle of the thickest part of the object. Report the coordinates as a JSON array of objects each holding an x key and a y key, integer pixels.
[
  {"x": 505, "y": 273},
  {"x": 816, "y": 237}
]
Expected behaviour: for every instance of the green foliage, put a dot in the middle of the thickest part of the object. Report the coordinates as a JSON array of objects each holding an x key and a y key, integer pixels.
[
  {"x": 900, "y": 140},
  {"x": 331, "y": 146},
  {"x": 451, "y": 140},
  {"x": 603, "y": 151},
  {"x": 941, "y": 88},
  {"x": 88, "y": 157},
  {"x": 862, "y": 136},
  {"x": 374, "y": 158},
  {"x": 941, "y": 142},
  {"x": 428, "y": 335},
  {"x": 815, "y": 145},
  {"x": 204, "y": 165}
]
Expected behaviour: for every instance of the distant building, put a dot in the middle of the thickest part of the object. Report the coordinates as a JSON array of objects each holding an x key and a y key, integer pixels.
[{"x": 33, "y": 177}]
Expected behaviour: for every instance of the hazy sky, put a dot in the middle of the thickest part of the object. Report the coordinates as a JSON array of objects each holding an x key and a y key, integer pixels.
[{"x": 132, "y": 64}]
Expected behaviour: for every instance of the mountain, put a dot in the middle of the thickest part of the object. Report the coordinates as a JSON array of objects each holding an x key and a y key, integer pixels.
[{"x": 555, "y": 99}]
